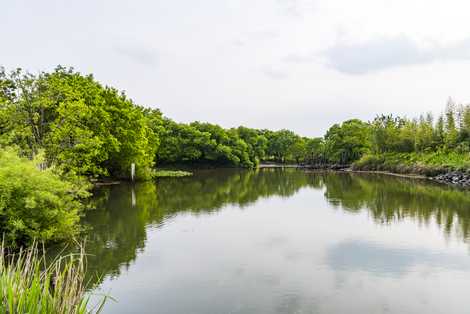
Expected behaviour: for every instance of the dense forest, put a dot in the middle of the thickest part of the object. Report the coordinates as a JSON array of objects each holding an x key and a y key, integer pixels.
[
  {"x": 96, "y": 131},
  {"x": 61, "y": 129}
]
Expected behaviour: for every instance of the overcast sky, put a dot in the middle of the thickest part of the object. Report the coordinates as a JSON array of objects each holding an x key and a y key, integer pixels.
[{"x": 296, "y": 64}]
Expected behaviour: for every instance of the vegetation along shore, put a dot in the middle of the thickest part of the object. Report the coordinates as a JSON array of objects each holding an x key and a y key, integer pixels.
[{"x": 62, "y": 131}]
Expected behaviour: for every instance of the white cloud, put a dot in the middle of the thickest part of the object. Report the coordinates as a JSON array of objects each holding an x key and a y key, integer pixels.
[
  {"x": 383, "y": 53},
  {"x": 266, "y": 63}
]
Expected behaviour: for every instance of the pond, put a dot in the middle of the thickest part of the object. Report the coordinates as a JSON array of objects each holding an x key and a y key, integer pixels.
[{"x": 281, "y": 241}]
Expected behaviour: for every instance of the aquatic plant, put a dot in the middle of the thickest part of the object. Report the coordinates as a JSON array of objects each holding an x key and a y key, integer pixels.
[{"x": 29, "y": 284}]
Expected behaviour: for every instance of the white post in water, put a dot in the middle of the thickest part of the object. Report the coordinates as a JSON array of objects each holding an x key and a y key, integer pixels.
[
  {"x": 133, "y": 200},
  {"x": 132, "y": 171}
]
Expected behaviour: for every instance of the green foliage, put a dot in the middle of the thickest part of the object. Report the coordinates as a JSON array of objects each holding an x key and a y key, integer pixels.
[
  {"x": 280, "y": 144},
  {"x": 209, "y": 144},
  {"x": 37, "y": 204},
  {"x": 30, "y": 285},
  {"x": 83, "y": 127},
  {"x": 420, "y": 146},
  {"x": 348, "y": 141},
  {"x": 94, "y": 130},
  {"x": 424, "y": 163}
]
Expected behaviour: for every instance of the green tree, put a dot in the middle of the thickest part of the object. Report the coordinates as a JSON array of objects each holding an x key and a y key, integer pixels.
[
  {"x": 347, "y": 142},
  {"x": 451, "y": 135},
  {"x": 83, "y": 127}
]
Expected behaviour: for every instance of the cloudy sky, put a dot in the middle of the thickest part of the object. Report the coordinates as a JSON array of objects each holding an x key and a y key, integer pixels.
[{"x": 296, "y": 64}]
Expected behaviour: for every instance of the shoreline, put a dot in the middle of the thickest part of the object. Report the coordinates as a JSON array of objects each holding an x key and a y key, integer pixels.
[
  {"x": 402, "y": 175},
  {"x": 444, "y": 179},
  {"x": 457, "y": 179},
  {"x": 451, "y": 178}
]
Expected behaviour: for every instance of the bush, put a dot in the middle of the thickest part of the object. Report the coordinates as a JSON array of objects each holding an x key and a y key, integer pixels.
[
  {"x": 37, "y": 204},
  {"x": 369, "y": 163}
]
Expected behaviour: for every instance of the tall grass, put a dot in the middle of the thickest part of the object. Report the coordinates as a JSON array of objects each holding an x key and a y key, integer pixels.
[
  {"x": 428, "y": 163},
  {"x": 29, "y": 284}
]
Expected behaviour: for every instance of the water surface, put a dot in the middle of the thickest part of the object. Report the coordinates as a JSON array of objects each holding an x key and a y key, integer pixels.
[{"x": 281, "y": 241}]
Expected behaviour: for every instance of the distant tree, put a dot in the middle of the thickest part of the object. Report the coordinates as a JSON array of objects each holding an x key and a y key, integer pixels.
[
  {"x": 451, "y": 135},
  {"x": 348, "y": 142}
]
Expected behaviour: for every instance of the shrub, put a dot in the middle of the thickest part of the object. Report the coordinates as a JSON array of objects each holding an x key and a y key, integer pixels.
[
  {"x": 37, "y": 204},
  {"x": 429, "y": 164},
  {"x": 368, "y": 162}
]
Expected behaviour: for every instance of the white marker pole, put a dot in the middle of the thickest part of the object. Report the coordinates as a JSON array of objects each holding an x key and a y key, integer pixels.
[{"x": 132, "y": 171}]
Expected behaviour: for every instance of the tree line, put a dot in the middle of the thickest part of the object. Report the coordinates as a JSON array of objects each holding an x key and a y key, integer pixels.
[
  {"x": 442, "y": 141},
  {"x": 89, "y": 129}
]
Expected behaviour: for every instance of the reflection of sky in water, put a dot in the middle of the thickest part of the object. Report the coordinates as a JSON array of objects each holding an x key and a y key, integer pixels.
[
  {"x": 282, "y": 242},
  {"x": 381, "y": 260}
]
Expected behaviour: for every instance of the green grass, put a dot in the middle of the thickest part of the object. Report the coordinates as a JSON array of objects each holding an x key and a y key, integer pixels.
[
  {"x": 430, "y": 164},
  {"x": 28, "y": 284},
  {"x": 172, "y": 173}
]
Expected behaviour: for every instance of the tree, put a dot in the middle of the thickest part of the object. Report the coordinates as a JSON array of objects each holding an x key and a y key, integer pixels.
[
  {"x": 83, "y": 127},
  {"x": 451, "y": 135},
  {"x": 280, "y": 144},
  {"x": 299, "y": 150},
  {"x": 315, "y": 150},
  {"x": 347, "y": 142}
]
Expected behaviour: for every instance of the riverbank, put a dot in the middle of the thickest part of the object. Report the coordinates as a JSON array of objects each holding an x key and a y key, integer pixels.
[
  {"x": 443, "y": 167},
  {"x": 454, "y": 178},
  {"x": 275, "y": 165},
  {"x": 402, "y": 175},
  {"x": 305, "y": 166},
  {"x": 441, "y": 174}
]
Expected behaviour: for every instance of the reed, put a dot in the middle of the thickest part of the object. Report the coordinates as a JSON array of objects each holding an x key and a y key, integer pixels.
[{"x": 30, "y": 284}]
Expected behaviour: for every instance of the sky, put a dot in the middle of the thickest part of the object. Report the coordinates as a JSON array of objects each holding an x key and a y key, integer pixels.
[{"x": 297, "y": 64}]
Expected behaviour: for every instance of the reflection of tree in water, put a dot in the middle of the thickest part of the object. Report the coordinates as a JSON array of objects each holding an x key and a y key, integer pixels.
[
  {"x": 209, "y": 190},
  {"x": 118, "y": 229},
  {"x": 389, "y": 199}
]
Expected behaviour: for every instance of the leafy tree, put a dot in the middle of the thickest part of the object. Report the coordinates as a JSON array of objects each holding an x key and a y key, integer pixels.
[
  {"x": 451, "y": 134},
  {"x": 299, "y": 150},
  {"x": 280, "y": 144},
  {"x": 84, "y": 127},
  {"x": 347, "y": 142},
  {"x": 315, "y": 150}
]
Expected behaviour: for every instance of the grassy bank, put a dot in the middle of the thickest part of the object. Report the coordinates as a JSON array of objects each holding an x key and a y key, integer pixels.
[
  {"x": 428, "y": 164},
  {"x": 28, "y": 284},
  {"x": 172, "y": 174}
]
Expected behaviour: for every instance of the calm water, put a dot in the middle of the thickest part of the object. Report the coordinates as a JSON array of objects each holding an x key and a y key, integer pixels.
[{"x": 282, "y": 241}]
